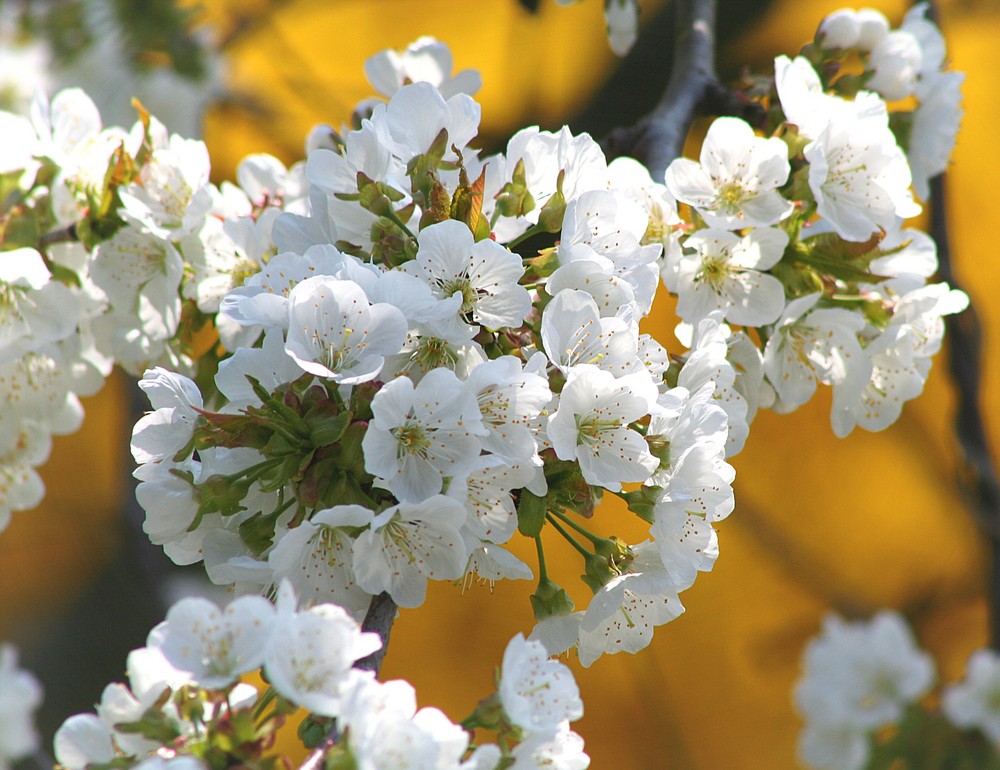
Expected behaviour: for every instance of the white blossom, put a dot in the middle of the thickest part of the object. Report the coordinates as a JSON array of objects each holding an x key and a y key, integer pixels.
[{"x": 735, "y": 184}]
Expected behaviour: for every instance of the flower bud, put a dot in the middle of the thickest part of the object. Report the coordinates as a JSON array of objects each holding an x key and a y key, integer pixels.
[
  {"x": 873, "y": 26},
  {"x": 840, "y": 29}
]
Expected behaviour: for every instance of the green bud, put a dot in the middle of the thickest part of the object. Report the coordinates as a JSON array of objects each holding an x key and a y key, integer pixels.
[
  {"x": 313, "y": 730},
  {"x": 550, "y": 218},
  {"x": 514, "y": 198},
  {"x": 222, "y": 494},
  {"x": 489, "y": 715},
  {"x": 545, "y": 263},
  {"x": 550, "y": 600},
  {"x": 598, "y": 572},
  {"x": 642, "y": 502},
  {"x": 659, "y": 447}
]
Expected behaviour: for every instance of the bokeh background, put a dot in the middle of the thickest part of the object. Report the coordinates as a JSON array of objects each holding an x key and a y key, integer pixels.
[{"x": 821, "y": 524}]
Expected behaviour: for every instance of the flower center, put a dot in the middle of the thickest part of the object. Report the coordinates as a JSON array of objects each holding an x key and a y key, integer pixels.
[
  {"x": 411, "y": 439},
  {"x": 462, "y": 285},
  {"x": 730, "y": 196}
]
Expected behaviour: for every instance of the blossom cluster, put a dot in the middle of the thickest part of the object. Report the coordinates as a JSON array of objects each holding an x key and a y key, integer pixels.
[
  {"x": 185, "y": 706},
  {"x": 117, "y": 249},
  {"x": 427, "y": 349},
  {"x": 449, "y": 352},
  {"x": 375, "y": 368},
  {"x": 863, "y": 698},
  {"x": 801, "y": 235}
]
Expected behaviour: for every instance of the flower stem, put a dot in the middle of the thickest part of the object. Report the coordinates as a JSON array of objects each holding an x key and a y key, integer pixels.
[{"x": 565, "y": 534}]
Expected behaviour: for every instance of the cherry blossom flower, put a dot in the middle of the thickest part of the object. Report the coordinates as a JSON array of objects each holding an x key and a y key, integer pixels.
[
  {"x": 591, "y": 425},
  {"x": 311, "y": 654},
  {"x": 334, "y": 332},
  {"x": 407, "y": 544},
  {"x": 20, "y": 695},
  {"x": 735, "y": 184},
  {"x": 424, "y": 60},
  {"x": 483, "y": 274},
  {"x": 422, "y": 434},
  {"x": 726, "y": 272},
  {"x": 972, "y": 703},
  {"x": 537, "y": 693},
  {"x": 215, "y": 646}
]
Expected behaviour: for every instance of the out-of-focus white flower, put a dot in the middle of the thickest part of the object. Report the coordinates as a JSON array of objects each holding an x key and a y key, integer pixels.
[
  {"x": 425, "y": 60},
  {"x": 862, "y": 674},
  {"x": 311, "y": 654},
  {"x": 20, "y": 695},
  {"x": 975, "y": 701},
  {"x": 622, "y": 18},
  {"x": 216, "y": 646}
]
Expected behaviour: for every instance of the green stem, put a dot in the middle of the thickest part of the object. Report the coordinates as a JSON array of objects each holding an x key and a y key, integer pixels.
[
  {"x": 530, "y": 232},
  {"x": 394, "y": 218},
  {"x": 565, "y": 534},
  {"x": 595, "y": 539},
  {"x": 269, "y": 695},
  {"x": 542, "y": 572},
  {"x": 254, "y": 472}
]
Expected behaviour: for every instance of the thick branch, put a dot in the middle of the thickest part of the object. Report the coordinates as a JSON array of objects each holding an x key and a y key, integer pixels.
[
  {"x": 381, "y": 614},
  {"x": 964, "y": 359},
  {"x": 659, "y": 137},
  {"x": 379, "y": 620}
]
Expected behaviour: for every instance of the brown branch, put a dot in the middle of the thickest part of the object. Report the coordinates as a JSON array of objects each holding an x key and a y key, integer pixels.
[
  {"x": 379, "y": 620},
  {"x": 979, "y": 480},
  {"x": 659, "y": 137},
  {"x": 66, "y": 234}
]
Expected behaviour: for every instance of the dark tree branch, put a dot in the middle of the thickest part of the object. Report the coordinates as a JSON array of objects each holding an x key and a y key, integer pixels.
[
  {"x": 379, "y": 620},
  {"x": 964, "y": 363},
  {"x": 659, "y": 137},
  {"x": 63, "y": 235},
  {"x": 964, "y": 358}
]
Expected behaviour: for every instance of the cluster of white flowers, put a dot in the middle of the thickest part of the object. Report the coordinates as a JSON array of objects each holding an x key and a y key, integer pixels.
[
  {"x": 20, "y": 695},
  {"x": 858, "y": 677},
  {"x": 425, "y": 350},
  {"x": 863, "y": 689},
  {"x": 184, "y": 692},
  {"x": 419, "y": 385},
  {"x": 146, "y": 248},
  {"x": 902, "y": 63},
  {"x": 803, "y": 236},
  {"x": 97, "y": 58}
]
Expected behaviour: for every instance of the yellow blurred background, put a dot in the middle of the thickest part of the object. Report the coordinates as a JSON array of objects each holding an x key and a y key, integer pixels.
[{"x": 849, "y": 525}]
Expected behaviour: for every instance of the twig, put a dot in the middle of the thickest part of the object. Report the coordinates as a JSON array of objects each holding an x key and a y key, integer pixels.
[
  {"x": 66, "y": 234},
  {"x": 379, "y": 619},
  {"x": 964, "y": 357},
  {"x": 659, "y": 137}
]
